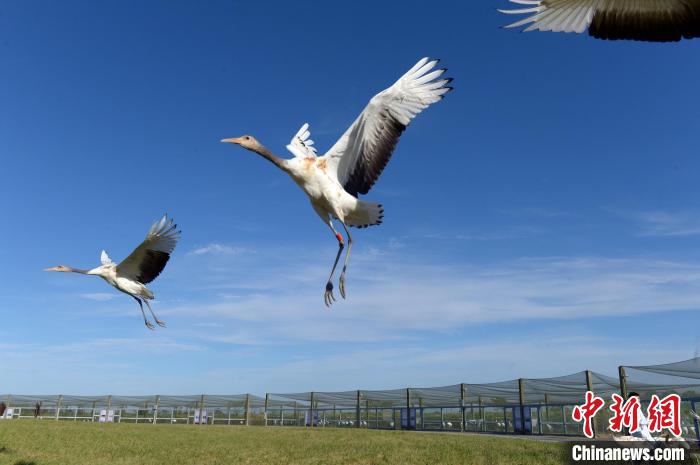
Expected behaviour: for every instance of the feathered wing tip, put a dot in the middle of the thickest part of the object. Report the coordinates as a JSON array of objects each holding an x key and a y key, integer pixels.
[
  {"x": 419, "y": 76},
  {"x": 104, "y": 258},
  {"x": 360, "y": 155},
  {"x": 531, "y": 18},
  {"x": 419, "y": 87},
  {"x": 556, "y": 19},
  {"x": 164, "y": 234},
  {"x": 301, "y": 145}
]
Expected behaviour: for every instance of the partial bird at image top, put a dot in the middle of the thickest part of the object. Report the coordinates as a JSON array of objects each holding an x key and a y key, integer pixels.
[{"x": 644, "y": 20}]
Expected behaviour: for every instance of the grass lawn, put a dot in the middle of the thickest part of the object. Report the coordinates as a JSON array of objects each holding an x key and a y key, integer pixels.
[{"x": 69, "y": 443}]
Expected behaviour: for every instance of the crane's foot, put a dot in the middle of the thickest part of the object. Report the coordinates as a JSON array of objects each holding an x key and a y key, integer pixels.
[
  {"x": 328, "y": 295},
  {"x": 160, "y": 323},
  {"x": 341, "y": 284},
  {"x": 149, "y": 325}
]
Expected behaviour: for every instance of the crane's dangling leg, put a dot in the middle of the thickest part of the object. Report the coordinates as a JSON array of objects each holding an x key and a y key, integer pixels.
[
  {"x": 149, "y": 325},
  {"x": 328, "y": 296},
  {"x": 155, "y": 318},
  {"x": 341, "y": 281}
]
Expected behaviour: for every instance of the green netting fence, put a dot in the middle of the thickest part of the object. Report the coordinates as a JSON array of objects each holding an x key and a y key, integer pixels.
[{"x": 526, "y": 405}]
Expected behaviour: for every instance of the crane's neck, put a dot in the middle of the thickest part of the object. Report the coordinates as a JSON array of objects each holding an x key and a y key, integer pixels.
[
  {"x": 280, "y": 163},
  {"x": 77, "y": 270}
]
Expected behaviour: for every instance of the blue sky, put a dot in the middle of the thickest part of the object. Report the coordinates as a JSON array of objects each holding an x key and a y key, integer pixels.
[{"x": 540, "y": 220}]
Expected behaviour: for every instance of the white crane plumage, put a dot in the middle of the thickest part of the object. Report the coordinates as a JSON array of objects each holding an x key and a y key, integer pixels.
[
  {"x": 141, "y": 267},
  {"x": 352, "y": 166},
  {"x": 647, "y": 20}
]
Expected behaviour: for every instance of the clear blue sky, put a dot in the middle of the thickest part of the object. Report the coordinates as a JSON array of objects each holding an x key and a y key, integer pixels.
[{"x": 540, "y": 220}]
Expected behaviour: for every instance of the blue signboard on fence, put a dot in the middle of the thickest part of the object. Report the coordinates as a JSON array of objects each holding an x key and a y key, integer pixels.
[
  {"x": 408, "y": 418},
  {"x": 307, "y": 418},
  {"x": 522, "y": 424}
]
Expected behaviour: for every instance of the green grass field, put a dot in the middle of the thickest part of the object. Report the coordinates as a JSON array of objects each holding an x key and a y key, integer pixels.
[{"x": 68, "y": 443}]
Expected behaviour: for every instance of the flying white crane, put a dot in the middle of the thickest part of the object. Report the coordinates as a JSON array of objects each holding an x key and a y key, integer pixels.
[
  {"x": 141, "y": 267},
  {"x": 648, "y": 20},
  {"x": 352, "y": 166}
]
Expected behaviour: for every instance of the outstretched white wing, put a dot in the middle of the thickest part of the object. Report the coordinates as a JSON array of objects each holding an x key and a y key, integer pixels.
[
  {"x": 104, "y": 258},
  {"x": 300, "y": 145},
  {"x": 148, "y": 259},
  {"x": 651, "y": 20},
  {"x": 359, "y": 156}
]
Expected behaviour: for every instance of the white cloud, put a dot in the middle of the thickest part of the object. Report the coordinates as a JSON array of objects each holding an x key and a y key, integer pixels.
[
  {"x": 667, "y": 223},
  {"x": 217, "y": 249},
  {"x": 98, "y": 296},
  {"x": 470, "y": 362},
  {"x": 389, "y": 298},
  {"x": 97, "y": 347},
  {"x": 95, "y": 368},
  {"x": 407, "y": 321}
]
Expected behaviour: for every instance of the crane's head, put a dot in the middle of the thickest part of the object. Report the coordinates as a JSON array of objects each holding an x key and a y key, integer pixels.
[
  {"x": 247, "y": 142},
  {"x": 62, "y": 268}
]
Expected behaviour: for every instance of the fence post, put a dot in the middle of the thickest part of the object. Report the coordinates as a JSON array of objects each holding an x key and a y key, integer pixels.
[
  {"x": 267, "y": 401},
  {"x": 367, "y": 412},
  {"x": 420, "y": 406},
  {"x": 311, "y": 411},
  {"x": 482, "y": 414},
  {"x": 155, "y": 410},
  {"x": 408, "y": 408},
  {"x": 247, "y": 409},
  {"x": 201, "y": 409},
  {"x": 623, "y": 381},
  {"x": 589, "y": 387},
  {"x": 358, "y": 410},
  {"x": 462, "y": 407},
  {"x": 94, "y": 405},
  {"x": 58, "y": 406},
  {"x": 521, "y": 398}
]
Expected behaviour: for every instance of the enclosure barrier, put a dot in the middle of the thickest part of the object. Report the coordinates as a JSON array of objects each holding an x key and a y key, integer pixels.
[{"x": 525, "y": 405}]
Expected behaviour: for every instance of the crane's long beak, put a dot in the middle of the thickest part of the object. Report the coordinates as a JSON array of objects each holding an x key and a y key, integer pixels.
[
  {"x": 233, "y": 140},
  {"x": 53, "y": 268}
]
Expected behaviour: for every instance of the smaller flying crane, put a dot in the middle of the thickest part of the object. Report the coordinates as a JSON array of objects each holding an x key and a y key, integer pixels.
[{"x": 141, "y": 267}]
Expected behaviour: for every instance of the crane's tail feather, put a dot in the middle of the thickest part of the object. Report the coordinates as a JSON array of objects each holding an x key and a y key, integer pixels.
[{"x": 366, "y": 214}]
